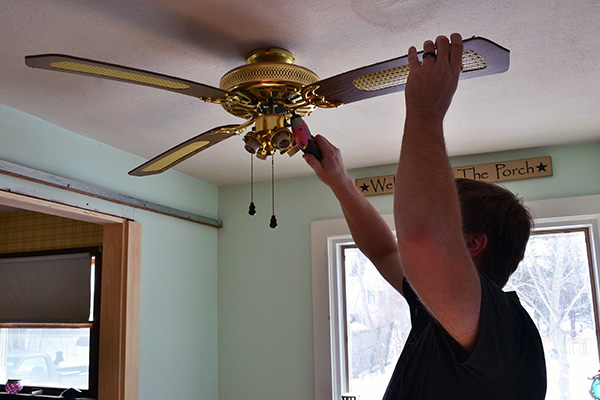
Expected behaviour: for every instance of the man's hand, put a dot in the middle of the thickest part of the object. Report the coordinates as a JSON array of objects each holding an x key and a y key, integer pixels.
[
  {"x": 431, "y": 85},
  {"x": 330, "y": 170}
]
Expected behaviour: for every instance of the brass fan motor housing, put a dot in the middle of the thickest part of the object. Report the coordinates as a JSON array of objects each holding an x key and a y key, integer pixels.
[{"x": 269, "y": 74}]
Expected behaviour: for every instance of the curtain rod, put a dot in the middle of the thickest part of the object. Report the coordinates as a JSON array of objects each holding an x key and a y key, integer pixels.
[{"x": 71, "y": 185}]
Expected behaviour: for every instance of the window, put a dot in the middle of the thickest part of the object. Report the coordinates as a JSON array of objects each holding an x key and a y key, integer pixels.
[
  {"x": 49, "y": 320},
  {"x": 555, "y": 283},
  {"x": 376, "y": 325},
  {"x": 564, "y": 250},
  {"x": 328, "y": 241},
  {"x": 118, "y": 354}
]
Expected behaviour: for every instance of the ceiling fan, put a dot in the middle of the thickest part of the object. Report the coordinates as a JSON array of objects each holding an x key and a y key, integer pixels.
[{"x": 268, "y": 91}]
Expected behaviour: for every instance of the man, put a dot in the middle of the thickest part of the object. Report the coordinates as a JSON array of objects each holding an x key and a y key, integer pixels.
[{"x": 469, "y": 339}]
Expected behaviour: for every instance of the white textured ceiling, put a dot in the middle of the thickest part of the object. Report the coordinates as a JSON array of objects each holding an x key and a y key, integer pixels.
[{"x": 549, "y": 96}]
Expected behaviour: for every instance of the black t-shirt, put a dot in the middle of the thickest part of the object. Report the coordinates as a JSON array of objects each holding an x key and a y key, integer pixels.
[{"x": 507, "y": 362}]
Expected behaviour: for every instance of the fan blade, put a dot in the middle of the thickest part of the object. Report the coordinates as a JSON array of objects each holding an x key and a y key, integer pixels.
[
  {"x": 82, "y": 66},
  {"x": 185, "y": 150},
  {"x": 480, "y": 57}
]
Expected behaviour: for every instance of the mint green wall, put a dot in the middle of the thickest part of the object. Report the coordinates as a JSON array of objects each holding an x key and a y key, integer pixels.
[
  {"x": 576, "y": 171},
  {"x": 178, "y": 326},
  {"x": 265, "y": 290}
]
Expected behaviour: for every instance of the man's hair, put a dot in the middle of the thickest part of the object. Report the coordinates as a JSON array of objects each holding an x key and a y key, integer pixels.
[{"x": 492, "y": 210}]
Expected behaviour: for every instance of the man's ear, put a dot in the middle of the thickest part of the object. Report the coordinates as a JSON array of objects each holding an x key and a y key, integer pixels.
[{"x": 476, "y": 243}]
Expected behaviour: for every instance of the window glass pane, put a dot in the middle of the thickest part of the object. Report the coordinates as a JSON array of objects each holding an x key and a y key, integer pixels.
[
  {"x": 46, "y": 357},
  {"x": 377, "y": 324},
  {"x": 553, "y": 283}
]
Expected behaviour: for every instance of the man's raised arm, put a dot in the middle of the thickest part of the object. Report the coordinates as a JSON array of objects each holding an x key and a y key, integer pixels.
[{"x": 433, "y": 252}]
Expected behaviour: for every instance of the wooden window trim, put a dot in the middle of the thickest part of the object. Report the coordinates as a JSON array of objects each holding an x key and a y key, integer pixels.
[{"x": 118, "y": 358}]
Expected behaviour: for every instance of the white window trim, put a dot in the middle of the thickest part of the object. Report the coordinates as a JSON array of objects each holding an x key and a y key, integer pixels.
[{"x": 327, "y": 238}]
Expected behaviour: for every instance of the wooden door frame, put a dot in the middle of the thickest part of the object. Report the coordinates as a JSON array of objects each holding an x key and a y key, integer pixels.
[{"x": 118, "y": 359}]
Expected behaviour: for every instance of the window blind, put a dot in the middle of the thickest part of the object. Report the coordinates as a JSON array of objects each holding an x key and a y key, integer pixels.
[{"x": 46, "y": 289}]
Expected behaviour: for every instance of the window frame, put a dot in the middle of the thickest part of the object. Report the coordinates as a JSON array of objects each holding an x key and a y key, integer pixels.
[
  {"x": 330, "y": 235},
  {"x": 118, "y": 358}
]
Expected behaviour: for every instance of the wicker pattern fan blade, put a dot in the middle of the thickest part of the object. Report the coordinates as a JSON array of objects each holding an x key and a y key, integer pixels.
[
  {"x": 82, "y": 66},
  {"x": 480, "y": 57},
  {"x": 185, "y": 150}
]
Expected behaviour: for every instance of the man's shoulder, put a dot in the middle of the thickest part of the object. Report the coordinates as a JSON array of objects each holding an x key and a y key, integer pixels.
[
  {"x": 503, "y": 308},
  {"x": 506, "y": 325}
]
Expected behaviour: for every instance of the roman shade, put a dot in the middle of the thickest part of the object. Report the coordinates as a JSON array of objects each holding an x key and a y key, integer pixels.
[{"x": 46, "y": 289}]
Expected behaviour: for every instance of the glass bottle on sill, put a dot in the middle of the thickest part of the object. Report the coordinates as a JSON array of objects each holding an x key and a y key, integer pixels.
[{"x": 13, "y": 386}]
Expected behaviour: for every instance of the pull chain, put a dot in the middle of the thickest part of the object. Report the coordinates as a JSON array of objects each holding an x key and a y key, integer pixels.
[
  {"x": 273, "y": 223},
  {"x": 252, "y": 209}
]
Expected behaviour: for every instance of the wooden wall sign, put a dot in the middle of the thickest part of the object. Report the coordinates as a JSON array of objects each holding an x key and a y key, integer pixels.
[
  {"x": 507, "y": 170},
  {"x": 493, "y": 172}
]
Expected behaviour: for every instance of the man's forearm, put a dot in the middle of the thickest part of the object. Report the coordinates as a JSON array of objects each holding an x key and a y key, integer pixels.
[{"x": 370, "y": 232}]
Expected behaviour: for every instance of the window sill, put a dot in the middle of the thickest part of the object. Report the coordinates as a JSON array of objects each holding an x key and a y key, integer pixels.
[{"x": 22, "y": 396}]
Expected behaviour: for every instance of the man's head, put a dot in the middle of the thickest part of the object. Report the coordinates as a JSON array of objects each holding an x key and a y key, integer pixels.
[{"x": 494, "y": 211}]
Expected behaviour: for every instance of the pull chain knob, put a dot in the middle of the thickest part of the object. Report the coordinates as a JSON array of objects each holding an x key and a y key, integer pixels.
[
  {"x": 273, "y": 223},
  {"x": 252, "y": 208}
]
